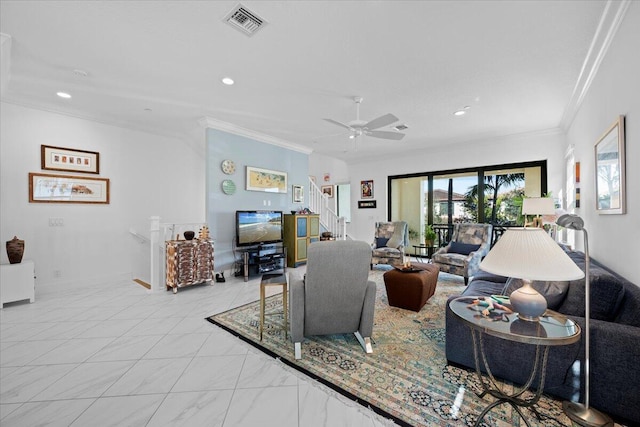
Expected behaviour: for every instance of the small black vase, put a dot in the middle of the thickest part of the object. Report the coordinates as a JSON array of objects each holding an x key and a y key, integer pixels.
[{"x": 15, "y": 250}]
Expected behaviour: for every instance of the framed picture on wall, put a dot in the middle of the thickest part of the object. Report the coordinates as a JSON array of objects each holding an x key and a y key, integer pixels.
[
  {"x": 366, "y": 189},
  {"x": 298, "y": 194},
  {"x": 69, "y": 159},
  {"x": 266, "y": 180},
  {"x": 610, "y": 170},
  {"x": 328, "y": 190},
  {"x": 45, "y": 188}
]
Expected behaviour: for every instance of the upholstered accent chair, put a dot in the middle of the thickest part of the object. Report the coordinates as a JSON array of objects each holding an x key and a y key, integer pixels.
[
  {"x": 335, "y": 296},
  {"x": 468, "y": 245},
  {"x": 390, "y": 242}
]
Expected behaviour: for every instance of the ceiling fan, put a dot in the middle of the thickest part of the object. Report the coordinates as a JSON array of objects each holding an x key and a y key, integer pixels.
[{"x": 359, "y": 127}]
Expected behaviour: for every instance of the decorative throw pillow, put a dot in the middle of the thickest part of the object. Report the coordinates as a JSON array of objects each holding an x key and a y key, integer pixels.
[
  {"x": 462, "y": 248},
  {"x": 553, "y": 292},
  {"x": 397, "y": 238},
  {"x": 381, "y": 242}
]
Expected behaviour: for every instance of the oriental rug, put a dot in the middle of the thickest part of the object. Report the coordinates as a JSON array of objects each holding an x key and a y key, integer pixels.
[{"x": 407, "y": 378}]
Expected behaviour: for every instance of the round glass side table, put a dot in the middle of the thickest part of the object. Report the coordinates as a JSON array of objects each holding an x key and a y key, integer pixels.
[{"x": 552, "y": 329}]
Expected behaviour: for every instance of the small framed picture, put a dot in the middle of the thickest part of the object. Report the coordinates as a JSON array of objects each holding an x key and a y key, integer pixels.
[
  {"x": 366, "y": 204},
  {"x": 69, "y": 159},
  {"x": 298, "y": 194},
  {"x": 366, "y": 189},
  {"x": 328, "y": 190}
]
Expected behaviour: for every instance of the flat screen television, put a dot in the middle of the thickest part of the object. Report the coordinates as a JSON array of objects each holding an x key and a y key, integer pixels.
[{"x": 258, "y": 227}]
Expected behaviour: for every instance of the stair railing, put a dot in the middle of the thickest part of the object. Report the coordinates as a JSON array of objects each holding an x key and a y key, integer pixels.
[{"x": 329, "y": 220}]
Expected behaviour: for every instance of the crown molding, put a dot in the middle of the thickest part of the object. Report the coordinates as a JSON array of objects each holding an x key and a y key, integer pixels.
[
  {"x": 610, "y": 20},
  {"x": 210, "y": 122}
]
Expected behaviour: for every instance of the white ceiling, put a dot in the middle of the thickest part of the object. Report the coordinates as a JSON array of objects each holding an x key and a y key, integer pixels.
[{"x": 517, "y": 64}]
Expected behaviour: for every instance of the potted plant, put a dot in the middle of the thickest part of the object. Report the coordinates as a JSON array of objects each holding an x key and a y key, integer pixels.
[{"x": 429, "y": 235}]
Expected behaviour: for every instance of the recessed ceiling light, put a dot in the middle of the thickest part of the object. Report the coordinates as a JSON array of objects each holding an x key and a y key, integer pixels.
[
  {"x": 64, "y": 95},
  {"x": 228, "y": 81},
  {"x": 462, "y": 111}
]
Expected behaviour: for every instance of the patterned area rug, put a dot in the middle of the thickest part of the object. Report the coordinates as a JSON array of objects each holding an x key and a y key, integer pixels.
[{"x": 406, "y": 378}]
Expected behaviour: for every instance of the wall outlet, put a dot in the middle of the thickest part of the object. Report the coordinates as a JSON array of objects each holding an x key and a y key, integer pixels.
[
  {"x": 56, "y": 222},
  {"x": 57, "y": 273}
]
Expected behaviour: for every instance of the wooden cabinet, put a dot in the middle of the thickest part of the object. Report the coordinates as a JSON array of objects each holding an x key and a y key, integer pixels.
[
  {"x": 189, "y": 262},
  {"x": 299, "y": 232}
]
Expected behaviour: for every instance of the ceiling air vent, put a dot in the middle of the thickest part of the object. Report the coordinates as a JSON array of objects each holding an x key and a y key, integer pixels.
[
  {"x": 401, "y": 127},
  {"x": 244, "y": 20}
]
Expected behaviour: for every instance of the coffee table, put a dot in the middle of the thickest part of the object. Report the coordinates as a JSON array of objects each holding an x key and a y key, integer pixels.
[
  {"x": 277, "y": 279},
  {"x": 553, "y": 329}
]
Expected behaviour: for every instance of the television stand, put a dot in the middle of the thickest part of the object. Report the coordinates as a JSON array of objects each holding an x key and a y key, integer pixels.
[{"x": 261, "y": 259}]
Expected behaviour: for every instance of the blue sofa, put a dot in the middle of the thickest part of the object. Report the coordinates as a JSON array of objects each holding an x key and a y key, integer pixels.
[{"x": 615, "y": 342}]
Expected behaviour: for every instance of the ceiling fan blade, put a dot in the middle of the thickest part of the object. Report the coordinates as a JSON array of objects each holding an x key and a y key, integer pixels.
[
  {"x": 386, "y": 134},
  {"x": 381, "y": 121},
  {"x": 335, "y": 122}
]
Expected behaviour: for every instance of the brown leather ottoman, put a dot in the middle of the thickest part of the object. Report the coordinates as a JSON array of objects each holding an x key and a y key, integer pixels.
[{"x": 411, "y": 290}]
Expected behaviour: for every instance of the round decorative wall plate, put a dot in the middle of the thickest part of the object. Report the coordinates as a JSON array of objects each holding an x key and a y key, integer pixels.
[
  {"x": 228, "y": 187},
  {"x": 228, "y": 166}
]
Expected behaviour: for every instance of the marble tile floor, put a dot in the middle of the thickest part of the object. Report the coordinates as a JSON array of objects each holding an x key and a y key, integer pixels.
[{"x": 116, "y": 354}]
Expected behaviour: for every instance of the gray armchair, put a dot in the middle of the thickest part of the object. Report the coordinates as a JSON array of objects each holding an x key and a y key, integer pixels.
[
  {"x": 335, "y": 296},
  {"x": 468, "y": 245},
  {"x": 389, "y": 242}
]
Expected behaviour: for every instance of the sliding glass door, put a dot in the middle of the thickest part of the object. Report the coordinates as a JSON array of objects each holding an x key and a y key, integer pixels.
[{"x": 490, "y": 194}]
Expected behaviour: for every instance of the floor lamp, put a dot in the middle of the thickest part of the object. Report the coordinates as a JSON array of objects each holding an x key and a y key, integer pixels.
[{"x": 578, "y": 412}]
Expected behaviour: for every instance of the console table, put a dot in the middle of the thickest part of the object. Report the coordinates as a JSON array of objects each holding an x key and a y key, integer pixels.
[
  {"x": 17, "y": 282},
  {"x": 189, "y": 262},
  {"x": 552, "y": 329}
]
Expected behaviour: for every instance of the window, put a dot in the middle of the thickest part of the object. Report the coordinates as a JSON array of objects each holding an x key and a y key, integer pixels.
[{"x": 489, "y": 194}]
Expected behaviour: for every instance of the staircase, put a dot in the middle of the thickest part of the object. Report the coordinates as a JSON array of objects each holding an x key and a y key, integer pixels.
[{"x": 329, "y": 220}]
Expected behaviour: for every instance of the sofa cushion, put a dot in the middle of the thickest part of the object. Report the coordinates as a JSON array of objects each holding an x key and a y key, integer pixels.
[
  {"x": 450, "y": 259},
  {"x": 554, "y": 292},
  {"x": 483, "y": 288},
  {"x": 607, "y": 292},
  {"x": 462, "y": 248},
  {"x": 489, "y": 277},
  {"x": 381, "y": 242}
]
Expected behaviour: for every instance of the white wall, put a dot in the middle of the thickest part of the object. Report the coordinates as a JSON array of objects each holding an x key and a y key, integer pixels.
[
  {"x": 150, "y": 175},
  {"x": 546, "y": 145},
  {"x": 613, "y": 239}
]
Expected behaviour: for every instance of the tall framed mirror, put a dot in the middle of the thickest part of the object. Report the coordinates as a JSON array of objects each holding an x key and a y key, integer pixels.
[{"x": 610, "y": 170}]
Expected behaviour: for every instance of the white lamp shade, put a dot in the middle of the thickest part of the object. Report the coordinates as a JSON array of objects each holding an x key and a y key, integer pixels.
[
  {"x": 529, "y": 253},
  {"x": 538, "y": 206}
]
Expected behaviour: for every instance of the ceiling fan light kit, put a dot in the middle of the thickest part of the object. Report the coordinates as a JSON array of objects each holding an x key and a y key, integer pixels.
[{"x": 359, "y": 127}]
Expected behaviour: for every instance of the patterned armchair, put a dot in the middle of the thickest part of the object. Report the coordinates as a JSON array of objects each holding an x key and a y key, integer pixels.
[
  {"x": 389, "y": 243},
  {"x": 462, "y": 256}
]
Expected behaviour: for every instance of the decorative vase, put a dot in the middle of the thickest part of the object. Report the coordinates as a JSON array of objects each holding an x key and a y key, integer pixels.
[
  {"x": 189, "y": 235},
  {"x": 15, "y": 250},
  {"x": 528, "y": 302}
]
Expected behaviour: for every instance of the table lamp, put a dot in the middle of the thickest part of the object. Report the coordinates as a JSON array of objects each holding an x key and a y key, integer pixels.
[
  {"x": 529, "y": 254},
  {"x": 537, "y": 206},
  {"x": 579, "y": 413}
]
